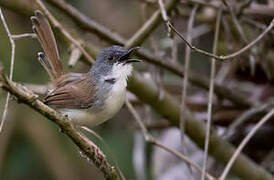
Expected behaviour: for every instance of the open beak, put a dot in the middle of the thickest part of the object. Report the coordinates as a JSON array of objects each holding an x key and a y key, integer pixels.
[
  {"x": 126, "y": 58},
  {"x": 132, "y": 60}
]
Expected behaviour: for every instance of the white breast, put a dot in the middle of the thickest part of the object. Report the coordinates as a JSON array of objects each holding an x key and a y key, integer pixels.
[{"x": 113, "y": 103}]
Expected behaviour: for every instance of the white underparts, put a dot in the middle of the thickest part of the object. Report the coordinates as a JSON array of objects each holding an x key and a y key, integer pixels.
[{"x": 113, "y": 102}]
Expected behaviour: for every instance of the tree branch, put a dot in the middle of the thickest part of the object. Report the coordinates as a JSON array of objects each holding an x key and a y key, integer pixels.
[
  {"x": 12, "y": 42},
  {"x": 220, "y": 149},
  {"x": 169, "y": 108},
  {"x": 106, "y": 34},
  {"x": 255, "y": 9},
  {"x": 211, "y": 90},
  {"x": 164, "y": 16},
  {"x": 230, "y": 56},
  {"x": 244, "y": 142},
  {"x": 89, "y": 149},
  {"x": 152, "y": 140},
  {"x": 185, "y": 81}
]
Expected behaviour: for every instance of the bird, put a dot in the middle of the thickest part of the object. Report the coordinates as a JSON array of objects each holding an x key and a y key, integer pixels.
[{"x": 90, "y": 98}]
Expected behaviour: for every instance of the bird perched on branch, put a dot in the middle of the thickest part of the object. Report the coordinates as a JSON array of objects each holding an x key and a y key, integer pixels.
[{"x": 89, "y": 98}]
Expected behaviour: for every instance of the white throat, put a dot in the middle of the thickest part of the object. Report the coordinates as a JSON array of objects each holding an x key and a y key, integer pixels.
[{"x": 120, "y": 71}]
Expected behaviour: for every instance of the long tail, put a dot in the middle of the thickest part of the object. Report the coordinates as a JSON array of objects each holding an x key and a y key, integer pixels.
[{"x": 51, "y": 61}]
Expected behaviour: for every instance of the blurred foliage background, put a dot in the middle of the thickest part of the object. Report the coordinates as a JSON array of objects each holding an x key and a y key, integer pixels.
[{"x": 31, "y": 147}]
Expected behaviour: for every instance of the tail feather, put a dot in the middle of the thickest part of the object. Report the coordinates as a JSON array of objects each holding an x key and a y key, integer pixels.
[
  {"x": 51, "y": 60},
  {"x": 42, "y": 58}
]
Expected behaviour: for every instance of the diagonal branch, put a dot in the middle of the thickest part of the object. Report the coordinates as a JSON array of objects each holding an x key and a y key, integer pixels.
[
  {"x": 220, "y": 149},
  {"x": 169, "y": 108},
  {"x": 152, "y": 140},
  {"x": 225, "y": 57},
  {"x": 244, "y": 142},
  {"x": 4, "y": 116},
  {"x": 85, "y": 145},
  {"x": 211, "y": 90},
  {"x": 112, "y": 37}
]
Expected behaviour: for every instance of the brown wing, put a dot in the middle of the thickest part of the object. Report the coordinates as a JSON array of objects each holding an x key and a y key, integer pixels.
[{"x": 73, "y": 91}]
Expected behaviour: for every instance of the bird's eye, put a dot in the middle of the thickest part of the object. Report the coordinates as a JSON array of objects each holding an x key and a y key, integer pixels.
[{"x": 110, "y": 58}]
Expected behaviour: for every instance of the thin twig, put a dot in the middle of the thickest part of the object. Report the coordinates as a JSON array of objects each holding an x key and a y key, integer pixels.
[
  {"x": 186, "y": 70},
  {"x": 121, "y": 175},
  {"x": 244, "y": 142},
  {"x": 244, "y": 117},
  {"x": 6, "y": 136},
  {"x": 155, "y": 72},
  {"x": 64, "y": 31},
  {"x": 152, "y": 140},
  {"x": 185, "y": 80},
  {"x": 243, "y": 6},
  {"x": 169, "y": 108},
  {"x": 211, "y": 91},
  {"x": 5, "y": 112},
  {"x": 89, "y": 149},
  {"x": 88, "y": 24},
  {"x": 256, "y": 24},
  {"x": 164, "y": 16},
  {"x": 236, "y": 22},
  {"x": 230, "y": 56},
  {"x": 137, "y": 118},
  {"x": 174, "y": 50},
  {"x": 255, "y": 9},
  {"x": 140, "y": 36},
  {"x": 241, "y": 33},
  {"x": 26, "y": 35},
  {"x": 174, "y": 118},
  {"x": 75, "y": 55}
]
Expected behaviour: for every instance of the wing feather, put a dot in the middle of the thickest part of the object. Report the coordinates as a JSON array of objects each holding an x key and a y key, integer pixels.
[{"x": 76, "y": 91}]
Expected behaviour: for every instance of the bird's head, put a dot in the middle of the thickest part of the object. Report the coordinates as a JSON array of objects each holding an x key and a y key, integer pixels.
[{"x": 114, "y": 61}]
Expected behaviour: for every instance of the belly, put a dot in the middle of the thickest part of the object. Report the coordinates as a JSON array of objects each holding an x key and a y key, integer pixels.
[
  {"x": 91, "y": 118},
  {"x": 112, "y": 105}
]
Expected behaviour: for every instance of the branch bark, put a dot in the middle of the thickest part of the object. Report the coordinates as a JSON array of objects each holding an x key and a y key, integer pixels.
[
  {"x": 112, "y": 37},
  {"x": 84, "y": 22},
  {"x": 169, "y": 108},
  {"x": 88, "y": 148},
  {"x": 220, "y": 149}
]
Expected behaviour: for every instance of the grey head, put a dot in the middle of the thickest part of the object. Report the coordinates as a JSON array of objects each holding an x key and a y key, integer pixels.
[
  {"x": 111, "y": 57},
  {"x": 110, "y": 72}
]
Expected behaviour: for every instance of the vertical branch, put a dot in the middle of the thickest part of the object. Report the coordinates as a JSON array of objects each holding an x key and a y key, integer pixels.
[
  {"x": 211, "y": 90},
  {"x": 155, "y": 72},
  {"x": 164, "y": 16},
  {"x": 5, "y": 112},
  {"x": 185, "y": 80},
  {"x": 174, "y": 50},
  {"x": 244, "y": 142},
  {"x": 240, "y": 31},
  {"x": 152, "y": 140}
]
